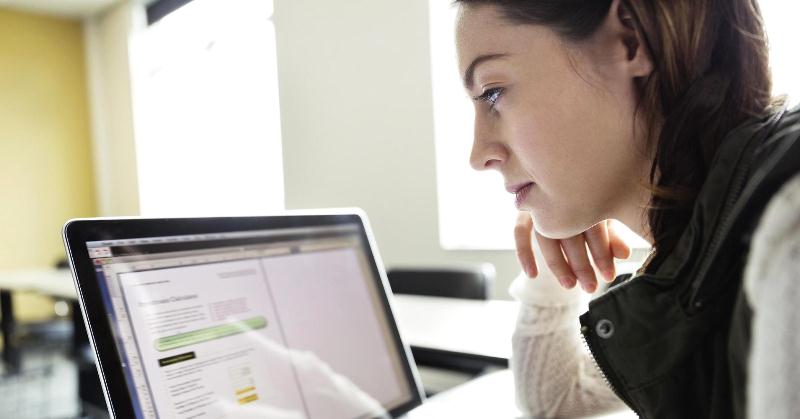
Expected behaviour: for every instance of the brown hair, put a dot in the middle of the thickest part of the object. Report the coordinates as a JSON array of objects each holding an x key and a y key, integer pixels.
[{"x": 711, "y": 73}]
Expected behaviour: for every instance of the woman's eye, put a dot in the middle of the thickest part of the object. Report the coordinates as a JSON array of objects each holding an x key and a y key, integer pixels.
[{"x": 490, "y": 96}]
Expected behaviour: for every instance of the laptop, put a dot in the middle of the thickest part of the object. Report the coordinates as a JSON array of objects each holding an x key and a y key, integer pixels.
[{"x": 284, "y": 316}]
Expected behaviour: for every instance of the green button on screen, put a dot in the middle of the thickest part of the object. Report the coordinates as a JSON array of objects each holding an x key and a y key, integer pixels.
[{"x": 210, "y": 333}]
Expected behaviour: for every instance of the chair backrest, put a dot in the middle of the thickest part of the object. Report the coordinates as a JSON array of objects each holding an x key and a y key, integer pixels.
[{"x": 471, "y": 283}]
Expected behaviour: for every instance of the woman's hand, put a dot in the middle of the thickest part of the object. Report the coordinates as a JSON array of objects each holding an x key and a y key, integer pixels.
[{"x": 568, "y": 259}]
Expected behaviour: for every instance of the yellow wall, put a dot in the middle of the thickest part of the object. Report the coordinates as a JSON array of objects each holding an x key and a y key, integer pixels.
[{"x": 45, "y": 151}]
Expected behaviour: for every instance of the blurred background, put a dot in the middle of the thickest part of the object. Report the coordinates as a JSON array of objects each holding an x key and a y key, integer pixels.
[{"x": 212, "y": 107}]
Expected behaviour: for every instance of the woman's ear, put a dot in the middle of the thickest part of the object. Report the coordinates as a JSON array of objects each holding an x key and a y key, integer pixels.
[
  {"x": 618, "y": 41},
  {"x": 639, "y": 61}
]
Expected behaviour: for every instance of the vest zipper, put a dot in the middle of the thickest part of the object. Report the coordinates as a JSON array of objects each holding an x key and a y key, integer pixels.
[
  {"x": 599, "y": 361},
  {"x": 725, "y": 225},
  {"x": 726, "y": 219}
]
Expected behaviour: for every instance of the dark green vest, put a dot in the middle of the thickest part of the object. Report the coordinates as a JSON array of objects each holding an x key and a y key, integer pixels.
[{"x": 673, "y": 341}]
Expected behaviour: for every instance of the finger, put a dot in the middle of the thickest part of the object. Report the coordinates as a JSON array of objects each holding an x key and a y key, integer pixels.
[
  {"x": 597, "y": 240},
  {"x": 555, "y": 260},
  {"x": 523, "y": 239},
  {"x": 619, "y": 248},
  {"x": 578, "y": 258}
]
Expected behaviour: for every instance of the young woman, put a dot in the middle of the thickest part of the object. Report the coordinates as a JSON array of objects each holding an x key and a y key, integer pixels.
[{"x": 657, "y": 114}]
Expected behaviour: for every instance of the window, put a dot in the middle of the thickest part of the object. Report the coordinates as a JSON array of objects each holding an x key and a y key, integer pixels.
[
  {"x": 474, "y": 210},
  {"x": 206, "y": 111},
  {"x": 780, "y": 19}
]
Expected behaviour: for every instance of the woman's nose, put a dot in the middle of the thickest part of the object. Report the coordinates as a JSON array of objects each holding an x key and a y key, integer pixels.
[{"x": 486, "y": 154}]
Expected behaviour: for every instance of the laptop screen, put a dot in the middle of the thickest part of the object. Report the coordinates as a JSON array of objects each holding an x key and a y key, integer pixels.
[{"x": 280, "y": 323}]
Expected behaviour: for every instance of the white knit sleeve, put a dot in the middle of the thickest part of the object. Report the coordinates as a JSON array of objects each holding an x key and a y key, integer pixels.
[
  {"x": 554, "y": 374},
  {"x": 772, "y": 286}
]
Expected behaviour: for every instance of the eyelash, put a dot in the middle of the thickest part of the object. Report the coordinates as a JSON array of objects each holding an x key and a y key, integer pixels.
[{"x": 490, "y": 96}]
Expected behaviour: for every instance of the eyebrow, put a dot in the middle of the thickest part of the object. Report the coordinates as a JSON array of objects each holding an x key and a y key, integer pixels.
[{"x": 469, "y": 75}]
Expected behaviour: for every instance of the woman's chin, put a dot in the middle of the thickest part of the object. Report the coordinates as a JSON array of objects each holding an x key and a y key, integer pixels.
[{"x": 556, "y": 229}]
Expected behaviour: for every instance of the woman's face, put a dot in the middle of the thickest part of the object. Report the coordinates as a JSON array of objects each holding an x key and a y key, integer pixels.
[{"x": 558, "y": 114}]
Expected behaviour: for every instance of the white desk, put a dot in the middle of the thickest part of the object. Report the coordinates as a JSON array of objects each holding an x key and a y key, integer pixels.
[
  {"x": 53, "y": 282},
  {"x": 489, "y": 396},
  {"x": 470, "y": 327}
]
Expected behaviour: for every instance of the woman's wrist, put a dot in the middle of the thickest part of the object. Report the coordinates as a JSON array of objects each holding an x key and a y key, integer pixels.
[{"x": 543, "y": 291}]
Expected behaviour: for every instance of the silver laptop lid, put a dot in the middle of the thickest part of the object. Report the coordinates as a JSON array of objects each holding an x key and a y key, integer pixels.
[{"x": 277, "y": 317}]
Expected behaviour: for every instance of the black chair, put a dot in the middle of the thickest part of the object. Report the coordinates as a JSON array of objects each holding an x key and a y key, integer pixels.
[
  {"x": 470, "y": 283},
  {"x": 473, "y": 283}
]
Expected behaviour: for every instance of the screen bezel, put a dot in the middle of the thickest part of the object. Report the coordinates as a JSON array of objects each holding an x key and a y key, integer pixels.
[{"x": 77, "y": 233}]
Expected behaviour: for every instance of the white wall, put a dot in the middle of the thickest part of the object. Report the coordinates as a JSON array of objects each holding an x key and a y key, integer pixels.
[
  {"x": 107, "y": 38},
  {"x": 357, "y": 123}
]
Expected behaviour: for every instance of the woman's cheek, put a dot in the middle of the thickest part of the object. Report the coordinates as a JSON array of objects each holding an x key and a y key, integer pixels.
[{"x": 525, "y": 137}]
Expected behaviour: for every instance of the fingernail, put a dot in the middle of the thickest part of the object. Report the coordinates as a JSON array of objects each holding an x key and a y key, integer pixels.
[
  {"x": 566, "y": 281},
  {"x": 608, "y": 274},
  {"x": 588, "y": 287},
  {"x": 528, "y": 271}
]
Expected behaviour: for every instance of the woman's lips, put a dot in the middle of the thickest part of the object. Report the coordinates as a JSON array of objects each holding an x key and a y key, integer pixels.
[{"x": 522, "y": 194}]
